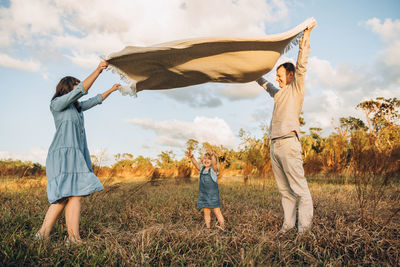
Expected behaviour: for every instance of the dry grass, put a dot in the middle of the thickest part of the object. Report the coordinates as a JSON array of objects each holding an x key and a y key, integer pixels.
[{"x": 132, "y": 223}]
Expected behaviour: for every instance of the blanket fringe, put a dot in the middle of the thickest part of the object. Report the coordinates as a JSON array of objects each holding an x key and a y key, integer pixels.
[
  {"x": 294, "y": 43},
  {"x": 296, "y": 40},
  {"x": 130, "y": 87}
]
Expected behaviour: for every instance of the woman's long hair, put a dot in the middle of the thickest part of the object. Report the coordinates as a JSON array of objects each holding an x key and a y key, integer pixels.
[{"x": 65, "y": 86}]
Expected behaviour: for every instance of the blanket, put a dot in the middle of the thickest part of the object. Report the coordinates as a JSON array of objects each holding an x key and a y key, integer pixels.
[{"x": 195, "y": 61}]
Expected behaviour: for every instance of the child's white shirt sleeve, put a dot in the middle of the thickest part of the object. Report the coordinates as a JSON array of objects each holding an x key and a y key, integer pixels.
[{"x": 214, "y": 175}]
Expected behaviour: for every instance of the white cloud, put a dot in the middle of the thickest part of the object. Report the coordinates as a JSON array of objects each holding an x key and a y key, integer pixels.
[
  {"x": 388, "y": 30},
  {"x": 241, "y": 91},
  {"x": 175, "y": 133},
  {"x": 334, "y": 92},
  {"x": 343, "y": 77},
  {"x": 82, "y": 27},
  {"x": 45, "y": 76},
  {"x": 25, "y": 19},
  {"x": 391, "y": 54},
  {"x": 319, "y": 109},
  {"x": 5, "y": 39},
  {"x": 263, "y": 112},
  {"x": 95, "y": 42},
  {"x": 35, "y": 154},
  {"x": 84, "y": 60},
  {"x": 211, "y": 94},
  {"x": 172, "y": 20},
  {"x": 196, "y": 96},
  {"x": 9, "y": 62},
  {"x": 226, "y": 17}
]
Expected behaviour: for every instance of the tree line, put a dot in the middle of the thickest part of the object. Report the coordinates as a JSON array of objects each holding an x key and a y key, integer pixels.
[{"x": 353, "y": 148}]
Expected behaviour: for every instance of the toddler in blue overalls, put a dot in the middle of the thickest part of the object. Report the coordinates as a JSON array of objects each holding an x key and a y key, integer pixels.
[{"x": 208, "y": 187}]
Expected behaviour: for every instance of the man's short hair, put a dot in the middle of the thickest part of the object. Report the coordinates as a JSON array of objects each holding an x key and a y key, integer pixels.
[{"x": 289, "y": 67}]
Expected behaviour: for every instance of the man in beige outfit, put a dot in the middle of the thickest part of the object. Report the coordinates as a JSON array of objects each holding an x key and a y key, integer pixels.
[{"x": 286, "y": 158}]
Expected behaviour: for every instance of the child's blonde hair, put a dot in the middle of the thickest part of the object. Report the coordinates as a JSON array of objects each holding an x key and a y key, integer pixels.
[{"x": 207, "y": 154}]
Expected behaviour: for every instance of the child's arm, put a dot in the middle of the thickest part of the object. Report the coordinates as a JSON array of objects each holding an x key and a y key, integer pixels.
[
  {"x": 194, "y": 161},
  {"x": 214, "y": 161}
]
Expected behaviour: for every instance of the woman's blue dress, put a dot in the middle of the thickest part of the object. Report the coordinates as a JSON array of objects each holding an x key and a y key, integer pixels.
[
  {"x": 208, "y": 189},
  {"x": 68, "y": 166}
]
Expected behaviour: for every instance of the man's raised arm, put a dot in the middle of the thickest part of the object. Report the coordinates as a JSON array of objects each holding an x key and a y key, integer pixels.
[{"x": 302, "y": 58}]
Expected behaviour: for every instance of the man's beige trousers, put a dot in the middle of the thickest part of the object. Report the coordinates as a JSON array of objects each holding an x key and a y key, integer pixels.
[{"x": 287, "y": 165}]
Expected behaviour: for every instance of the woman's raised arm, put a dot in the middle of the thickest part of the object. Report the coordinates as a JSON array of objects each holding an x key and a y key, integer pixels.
[{"x": 87, "y": 83}]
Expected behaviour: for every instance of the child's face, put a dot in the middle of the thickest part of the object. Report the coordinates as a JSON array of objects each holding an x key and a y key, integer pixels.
[{"x": 207, "y": 161}]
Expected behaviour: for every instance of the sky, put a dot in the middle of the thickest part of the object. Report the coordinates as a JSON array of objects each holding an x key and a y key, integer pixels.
[{"x": 355, "y": 56}]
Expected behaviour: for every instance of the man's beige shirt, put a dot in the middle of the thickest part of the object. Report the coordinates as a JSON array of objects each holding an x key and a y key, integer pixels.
[{"x": 288, "y": 101}]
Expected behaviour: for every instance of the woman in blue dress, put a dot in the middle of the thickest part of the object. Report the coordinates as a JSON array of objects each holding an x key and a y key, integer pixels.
[
  {"x": 68, "y": 166},
  {"x": 208, "y": 187}
]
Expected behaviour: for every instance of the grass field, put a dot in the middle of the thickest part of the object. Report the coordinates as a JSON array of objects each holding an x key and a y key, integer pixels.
[{"x": 139, "y": 223}]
